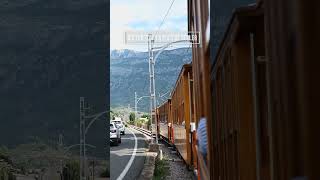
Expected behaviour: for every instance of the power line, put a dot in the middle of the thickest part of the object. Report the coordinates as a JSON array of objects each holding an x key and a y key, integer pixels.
[
  {"x": 164, "y": 18},
  {"x": 189, "y": 49}
]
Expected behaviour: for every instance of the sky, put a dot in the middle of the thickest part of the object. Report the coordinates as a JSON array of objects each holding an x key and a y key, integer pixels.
[{"x": 144, "y": 15}]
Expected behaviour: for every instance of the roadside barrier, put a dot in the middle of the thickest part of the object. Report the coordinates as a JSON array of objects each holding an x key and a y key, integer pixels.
[{"x": 144, "y": 131}]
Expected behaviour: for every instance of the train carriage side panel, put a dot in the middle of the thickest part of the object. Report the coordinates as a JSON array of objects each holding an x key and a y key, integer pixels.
[
  {"x": 199, "y": 22},
  {"x": 240, "y": 139},
  {"x": 163, "y": 120},
  {"x": 179, "y": 134},
  {"x": 181, "y": 114},
  {"x": 293, "y": 71},
  {"x": 187, "y": 76}
]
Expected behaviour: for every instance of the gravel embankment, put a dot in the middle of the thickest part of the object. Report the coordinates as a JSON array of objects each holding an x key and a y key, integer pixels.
[{"x": 178, "y": 169}]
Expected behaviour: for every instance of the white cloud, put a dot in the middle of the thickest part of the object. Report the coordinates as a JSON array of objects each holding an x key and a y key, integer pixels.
[{"x": 144, "y": 15}]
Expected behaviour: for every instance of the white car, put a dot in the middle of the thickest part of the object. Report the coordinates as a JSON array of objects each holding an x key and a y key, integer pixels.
[
  {"x": 120, "y": 125},
  {"x": 115, "y": 136}
]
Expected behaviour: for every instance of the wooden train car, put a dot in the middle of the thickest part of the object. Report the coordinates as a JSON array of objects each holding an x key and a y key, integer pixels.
[
  {"x": 240, "y": 149},
  {"x": 264, "y": 122},
  {"x": 165, "y": 121},
  {"x": 292, "y": 42},
  {"x": 258, "y": 94},
  {"x": 199, "y": 21},
  {"x": 181, "y": 109}
]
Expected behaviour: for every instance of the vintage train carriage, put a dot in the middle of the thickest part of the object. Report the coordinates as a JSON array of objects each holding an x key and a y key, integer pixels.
[
  {"x": 263, "y": 107},
  {"x": 293, "y": 91},
  {"x": 240, "y": 133},
  {"x": 264, "y": 118},
  {"x": 181, "y": 109},
  {"x": 199, "y": 21},
  {"x": 165, "y": 121}
]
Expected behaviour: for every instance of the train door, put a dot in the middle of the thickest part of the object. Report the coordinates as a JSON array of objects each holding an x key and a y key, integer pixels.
[
  {"x": 170, "y": 122},
  {"x": 192, "y": 131}
]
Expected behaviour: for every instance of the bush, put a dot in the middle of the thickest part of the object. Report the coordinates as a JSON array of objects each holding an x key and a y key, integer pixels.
[
  {"x": 6, "y": 174},
  {"x": 71, "y": 171},
  {"x": 132, "y": 117},
  {"x": 161, "y": 170},
  {"x": 3, "y": 173},
  {"x": 105, "y": 173}
]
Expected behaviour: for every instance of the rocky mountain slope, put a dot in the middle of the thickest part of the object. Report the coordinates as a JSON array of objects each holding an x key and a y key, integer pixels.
[
  {"x": 130, "y": 72},
  {"x": 51, "y": 53}
]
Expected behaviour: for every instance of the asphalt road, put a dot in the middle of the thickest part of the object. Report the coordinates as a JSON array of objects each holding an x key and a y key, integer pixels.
[{"x": 127, "y": 159}]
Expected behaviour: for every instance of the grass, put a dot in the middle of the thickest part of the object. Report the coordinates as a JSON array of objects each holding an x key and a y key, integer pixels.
[{"x": 161, "y": 170}]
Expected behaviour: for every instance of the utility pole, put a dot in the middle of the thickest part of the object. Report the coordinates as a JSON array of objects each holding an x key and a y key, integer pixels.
[
  {"x": 135, "y": 105},
  {"x": 83, "y": 161},
  {"x": 136, "y": 101},
  {"x": 152, "y": 60},
  {"x": 60, "y": 140},
  {"x": 82, "y": 125},
  {"x": 150, "y": 81},
  {"x": 84, "y": 107},
  {"x": 153, "y": 104},
  {"x": 93, "y": 169},
  {"x": 60, "y": 146}
]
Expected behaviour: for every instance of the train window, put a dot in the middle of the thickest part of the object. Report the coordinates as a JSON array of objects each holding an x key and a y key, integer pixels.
[{"x": 220, "y": 16}]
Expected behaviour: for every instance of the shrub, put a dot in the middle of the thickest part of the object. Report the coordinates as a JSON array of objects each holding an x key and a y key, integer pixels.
[
  {"x": 71, "y": 171},
  {"x": 132, "y": 117}
]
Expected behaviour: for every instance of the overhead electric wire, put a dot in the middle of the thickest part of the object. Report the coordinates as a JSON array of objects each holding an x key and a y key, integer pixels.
[{"x": 164, "y": 18}]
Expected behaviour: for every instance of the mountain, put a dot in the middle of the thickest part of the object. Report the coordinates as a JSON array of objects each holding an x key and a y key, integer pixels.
[
  {"x": 126, "y": 53},
  {"x": 129, "y": 72},
  {"x": 51, "y": 53}
]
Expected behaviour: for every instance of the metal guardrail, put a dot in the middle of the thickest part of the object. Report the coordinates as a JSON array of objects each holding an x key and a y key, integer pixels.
[{"x": 144, "y": 131}]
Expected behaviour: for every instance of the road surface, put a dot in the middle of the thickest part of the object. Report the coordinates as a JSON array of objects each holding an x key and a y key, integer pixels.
[{"x": 127, "y": 159}]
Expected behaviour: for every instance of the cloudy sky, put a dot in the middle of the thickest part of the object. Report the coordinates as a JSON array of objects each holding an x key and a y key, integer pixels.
[{"x": 144, "y": 15}]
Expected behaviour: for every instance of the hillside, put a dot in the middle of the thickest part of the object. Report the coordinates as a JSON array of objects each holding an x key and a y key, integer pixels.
[
  {"x": 52, "y": 52},
  {"x": 130, "y": 72}
]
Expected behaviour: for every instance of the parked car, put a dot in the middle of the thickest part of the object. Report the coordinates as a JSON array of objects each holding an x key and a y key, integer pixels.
[
  {"x": 115, "y": 136},
  {"x": 120, "y": 125}
]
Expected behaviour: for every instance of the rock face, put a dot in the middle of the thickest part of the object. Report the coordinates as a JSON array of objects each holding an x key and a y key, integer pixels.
[
  {"x": 51, "y": 53},
  {"x": 130, "y": 72}
]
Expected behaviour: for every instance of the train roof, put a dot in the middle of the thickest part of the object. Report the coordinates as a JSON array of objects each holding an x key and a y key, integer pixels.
[
  {"x": 169, "y": 99},
  {"x": 185, "y": 68}
]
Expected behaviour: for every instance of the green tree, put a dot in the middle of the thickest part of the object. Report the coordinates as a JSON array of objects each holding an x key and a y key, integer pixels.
[
  {"x": 132, "y": 117},
  {"x": 111, "y": 115}
]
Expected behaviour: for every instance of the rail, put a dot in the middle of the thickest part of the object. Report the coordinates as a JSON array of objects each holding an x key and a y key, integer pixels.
[{"x": 144, "y": 131}]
